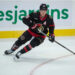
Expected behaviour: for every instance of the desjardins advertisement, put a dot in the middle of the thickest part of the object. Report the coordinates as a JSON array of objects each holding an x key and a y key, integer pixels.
[{"x": 15, "y": 14}]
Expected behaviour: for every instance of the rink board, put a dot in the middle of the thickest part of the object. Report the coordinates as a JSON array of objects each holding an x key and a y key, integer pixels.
[{"x": 16, "y": 34}]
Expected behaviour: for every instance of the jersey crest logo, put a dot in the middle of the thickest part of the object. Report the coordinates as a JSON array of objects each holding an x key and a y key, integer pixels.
[{"x": 44, "y": 23}]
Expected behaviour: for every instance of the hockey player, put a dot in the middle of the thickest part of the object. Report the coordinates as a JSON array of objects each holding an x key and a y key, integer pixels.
[{"x": 35, "y": 21}]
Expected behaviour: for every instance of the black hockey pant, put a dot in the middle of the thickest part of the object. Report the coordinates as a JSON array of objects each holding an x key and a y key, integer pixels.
[{"x": 25, "y": 37}]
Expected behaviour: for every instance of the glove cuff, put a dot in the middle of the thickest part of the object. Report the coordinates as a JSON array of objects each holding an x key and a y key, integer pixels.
[{"x": 51, "y": 35}]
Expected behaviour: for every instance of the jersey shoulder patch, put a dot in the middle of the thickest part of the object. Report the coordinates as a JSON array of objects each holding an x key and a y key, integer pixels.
[
  {"x": 35, "y": 15},
  {"x": 50, "y": 17}
]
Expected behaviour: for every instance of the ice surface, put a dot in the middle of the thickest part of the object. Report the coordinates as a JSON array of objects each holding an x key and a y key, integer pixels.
[{"x": 46, "y": 59}]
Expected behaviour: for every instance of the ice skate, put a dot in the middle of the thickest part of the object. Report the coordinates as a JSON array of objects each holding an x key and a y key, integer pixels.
[
  {"x": 18, "y": 55},
  {"x": 7, "y": 52}
]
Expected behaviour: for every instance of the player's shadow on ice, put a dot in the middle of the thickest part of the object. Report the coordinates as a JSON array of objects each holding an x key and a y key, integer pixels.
[
  {"x": 26, "y": 59},
  {"x": 39, "y": 60},
  {"x": 31, "y": 60}
]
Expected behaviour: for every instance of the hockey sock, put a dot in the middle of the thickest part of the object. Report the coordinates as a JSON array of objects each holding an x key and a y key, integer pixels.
[
  {"x": 26, "y": 49},
  {"x": 14, "y": 47}
]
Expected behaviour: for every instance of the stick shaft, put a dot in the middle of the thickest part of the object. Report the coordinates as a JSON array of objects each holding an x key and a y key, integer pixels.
[
  {"x": 60, "y": 44},
  {"x": 64, "y": 47}
]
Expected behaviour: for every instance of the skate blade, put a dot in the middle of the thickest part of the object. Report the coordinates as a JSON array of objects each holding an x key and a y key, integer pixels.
[{"x": 16, "y": 59}]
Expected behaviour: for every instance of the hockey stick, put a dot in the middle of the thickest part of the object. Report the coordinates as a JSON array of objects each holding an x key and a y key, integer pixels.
[
  {"x": 59, "y": 44},
  {"x": 64, "y": 47}
]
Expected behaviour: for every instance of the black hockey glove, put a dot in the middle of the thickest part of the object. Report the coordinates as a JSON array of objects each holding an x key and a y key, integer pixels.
[{"x": 51, "y": 37}]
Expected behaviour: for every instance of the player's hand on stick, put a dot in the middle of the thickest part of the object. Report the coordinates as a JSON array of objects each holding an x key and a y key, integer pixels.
[{"x": 51, "y": 37}]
